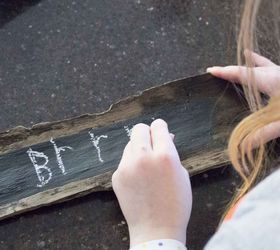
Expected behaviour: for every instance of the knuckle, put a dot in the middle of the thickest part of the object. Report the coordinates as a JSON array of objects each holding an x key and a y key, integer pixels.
[
  {"x": 186, "y": 172},
  {"x": 114, "y": 176},
  {"x": 121, "y": 177},
  {"x": 164, "y": 158},
  {"x": 142, "y": 159},
  {"x": 115, "y": 179}
]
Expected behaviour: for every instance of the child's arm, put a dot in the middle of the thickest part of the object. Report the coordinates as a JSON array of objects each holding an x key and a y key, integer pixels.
[
  {"x": 255, "y": 223},
  {"x": 153, "y": 188}
]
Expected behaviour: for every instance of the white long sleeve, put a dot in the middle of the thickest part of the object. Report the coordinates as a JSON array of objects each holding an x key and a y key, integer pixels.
[{"x": 160, "y": 244}]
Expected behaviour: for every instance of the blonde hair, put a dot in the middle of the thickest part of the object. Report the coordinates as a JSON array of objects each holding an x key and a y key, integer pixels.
[{"x": 248, "y": 161}]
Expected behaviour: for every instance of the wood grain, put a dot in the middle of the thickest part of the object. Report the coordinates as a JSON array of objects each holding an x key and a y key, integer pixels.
[{"x": 201, "y": 111}]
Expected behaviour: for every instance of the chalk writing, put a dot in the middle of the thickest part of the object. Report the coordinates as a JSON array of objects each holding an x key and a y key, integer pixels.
[
  {"x": 95, "y": 141},
  {"x": 128, "y": 130},
  {"x": 58, "y": 155},
  {"x": 43, "y": 172}
]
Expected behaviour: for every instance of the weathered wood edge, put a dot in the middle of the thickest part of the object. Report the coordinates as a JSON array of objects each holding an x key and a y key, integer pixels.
[{"x": 195, "y": 165}]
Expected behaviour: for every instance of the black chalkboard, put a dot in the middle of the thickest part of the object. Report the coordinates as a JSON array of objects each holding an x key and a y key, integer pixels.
[{"x": 200, "y": 111}]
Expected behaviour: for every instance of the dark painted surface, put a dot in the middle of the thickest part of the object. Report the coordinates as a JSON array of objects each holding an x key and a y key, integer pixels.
[
  {"x": 64, "y": 58},
  {"x": 190, "y": 115},
  {"x": 10, "y": 9}
]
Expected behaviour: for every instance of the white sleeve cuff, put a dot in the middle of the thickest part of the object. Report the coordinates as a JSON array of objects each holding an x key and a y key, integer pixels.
[{"x": 161, "y": 244}]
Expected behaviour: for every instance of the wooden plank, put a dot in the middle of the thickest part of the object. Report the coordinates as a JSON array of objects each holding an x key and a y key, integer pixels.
[{"x": 52, "y": 162}]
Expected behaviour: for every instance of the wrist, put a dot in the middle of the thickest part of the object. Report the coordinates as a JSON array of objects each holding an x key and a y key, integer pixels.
[
  {"x": 160, "y": 244},
  {"x": 141, "y": 235}
]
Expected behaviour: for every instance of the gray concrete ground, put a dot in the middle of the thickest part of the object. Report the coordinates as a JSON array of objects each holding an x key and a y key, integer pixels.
[{"x": 60, "y": 59}]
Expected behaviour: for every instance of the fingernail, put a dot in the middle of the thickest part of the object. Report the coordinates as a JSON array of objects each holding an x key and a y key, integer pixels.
[
  {"x": 172, "y": 136},
  {"x": 209, "y": 69},
  {"x": 214, "y": 69}
]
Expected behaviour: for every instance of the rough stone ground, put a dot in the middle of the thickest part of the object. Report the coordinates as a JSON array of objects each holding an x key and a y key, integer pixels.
[{"x": 60, "y": 59}]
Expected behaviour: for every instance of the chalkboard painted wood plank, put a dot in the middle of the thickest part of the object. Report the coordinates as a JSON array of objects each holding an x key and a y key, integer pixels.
[{"x": 53, "y": 162}]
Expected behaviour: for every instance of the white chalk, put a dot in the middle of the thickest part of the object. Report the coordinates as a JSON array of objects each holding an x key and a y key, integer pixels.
[
  {"x": 128, "y": 130},
  {"x": 40, "y": 168},
  {"x": 58, "y": 155},
  {"x": 95, "y": 141}
]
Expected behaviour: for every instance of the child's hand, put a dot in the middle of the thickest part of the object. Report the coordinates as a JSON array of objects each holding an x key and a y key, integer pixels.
[
  {"x": 152, "y": 187},
  {"x": 267, "y": 74}
]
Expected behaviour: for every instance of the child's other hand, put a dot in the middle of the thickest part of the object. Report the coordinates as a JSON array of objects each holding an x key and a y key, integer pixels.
[
  {"x": 152, "y": 187},
  {"x": 267, "y": 73},
  {"x": 267, "y": 77}
]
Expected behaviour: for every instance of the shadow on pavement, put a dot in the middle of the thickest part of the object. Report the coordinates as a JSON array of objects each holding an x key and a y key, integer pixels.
[{"x": 9, "y": 9}]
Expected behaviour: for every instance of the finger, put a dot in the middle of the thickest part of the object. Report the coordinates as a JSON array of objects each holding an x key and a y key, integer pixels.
[
  {"x": 239, "y": 74},
  {"x": 264, "y": 135},
  {"x": 161, "y": 139},
  {"x": 140, "y": 138},
  {"x": 236, "y": 74},
  {"x": 258, "y": 60}
]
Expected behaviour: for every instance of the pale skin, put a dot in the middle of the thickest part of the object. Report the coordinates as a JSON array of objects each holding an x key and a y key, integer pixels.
[
  {"x": 152, "y": 186},
  {"x": 267, "y": 75}
]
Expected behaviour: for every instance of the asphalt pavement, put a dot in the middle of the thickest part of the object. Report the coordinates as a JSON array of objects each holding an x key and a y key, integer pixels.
[{"x": 60, "y": 59}]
